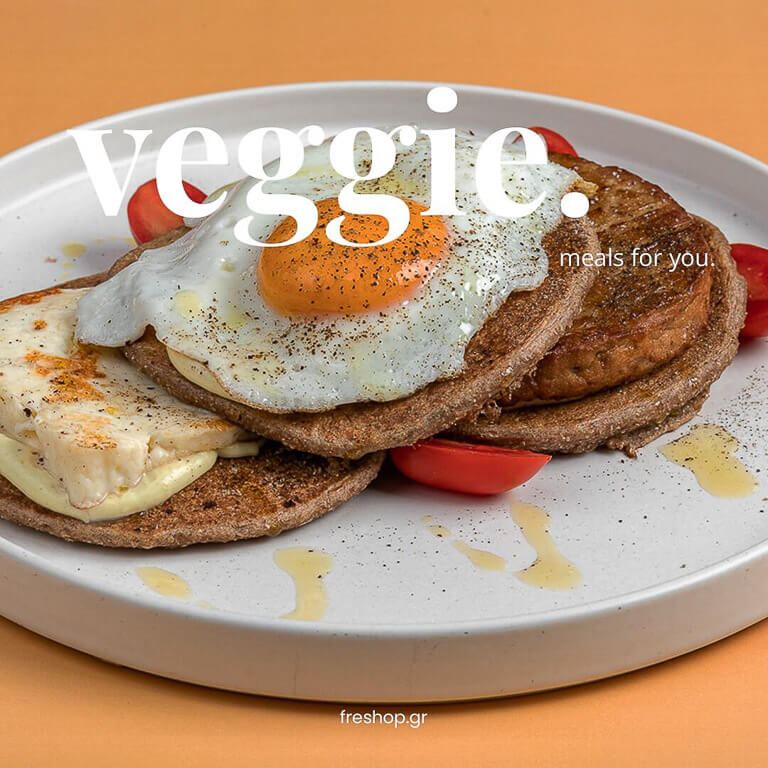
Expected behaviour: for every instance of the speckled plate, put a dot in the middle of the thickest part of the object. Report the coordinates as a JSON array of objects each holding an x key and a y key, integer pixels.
[{"x": 648, "y": 564}]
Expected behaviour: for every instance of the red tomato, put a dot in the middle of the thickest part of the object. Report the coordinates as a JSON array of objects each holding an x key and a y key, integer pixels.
[
  {"x": 752, "y": 262},
  {"x": 756, "y": 323},
  {"x": 465, "y": 467},
  {"x": 555, "y": 142},
  {"x": 148, "y": 216}
]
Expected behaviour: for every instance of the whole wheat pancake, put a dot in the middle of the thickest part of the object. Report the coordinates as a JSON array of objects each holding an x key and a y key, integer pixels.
[
  {"x": 631, "y": 441},
  {"x": 636, "y": 317},
  {"x": 513, "y": 339},
  {"x": 632, "y": 414},
  {"x": 236, "y": 499}
]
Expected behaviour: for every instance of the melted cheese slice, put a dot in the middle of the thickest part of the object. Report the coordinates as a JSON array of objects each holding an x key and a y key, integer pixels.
[
  {"x": 21, "y": 466},
  {"x": 241, "y": 450},
  {"x": 96, "y": 422},
  {"x": 197, "y": 373}
]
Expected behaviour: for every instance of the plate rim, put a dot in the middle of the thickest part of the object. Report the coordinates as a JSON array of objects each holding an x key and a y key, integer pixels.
[
  {"x": 416, "y": 630},
  {"x": 213, "y": 96}
]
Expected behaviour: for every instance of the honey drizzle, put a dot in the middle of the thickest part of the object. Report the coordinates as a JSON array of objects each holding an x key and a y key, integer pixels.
[
  {"x": 551, "y": 569},
  {"x": 164, "y": 582},
  {"x": 306, "y": 567},
  {"x": 480, "y": 558},
  {"x": 708, "y": 451}
]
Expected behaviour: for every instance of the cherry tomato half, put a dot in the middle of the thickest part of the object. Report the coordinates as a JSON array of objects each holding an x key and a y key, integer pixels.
[
  {"x": 752, "y": 262},
  {"x": 148, "y": 215},
  {"x": 555, "y": 142},
  {"x": 756, "y": 324},
  {"x": 465, "y": 467}
]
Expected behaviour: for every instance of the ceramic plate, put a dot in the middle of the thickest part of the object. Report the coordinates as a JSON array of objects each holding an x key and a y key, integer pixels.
[{"x": 651, "y": 565}]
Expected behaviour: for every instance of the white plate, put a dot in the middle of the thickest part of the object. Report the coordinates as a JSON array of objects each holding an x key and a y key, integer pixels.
[{"x": 666, "y": 568}]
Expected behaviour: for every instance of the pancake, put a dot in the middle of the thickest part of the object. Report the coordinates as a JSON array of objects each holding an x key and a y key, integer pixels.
[
  {"x": 635, "y": 318},
  {"x": 236, "y": 499},
  {"x": 632, "y": 441},
  {"x": 633, "y": 414},
  {"x": 527, "y": 325},
  {"x": 262, "y": 495}
]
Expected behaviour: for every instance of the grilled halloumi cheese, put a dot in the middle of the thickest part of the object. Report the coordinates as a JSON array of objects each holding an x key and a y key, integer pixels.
[{"x": 87, "y": 416}]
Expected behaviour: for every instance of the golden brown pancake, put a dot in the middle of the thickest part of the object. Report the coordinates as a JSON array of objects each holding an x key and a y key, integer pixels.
[
  {"x": 236, "y": 499},
  {"x": 510, "y": 343},
  {"x": 630, "y": 415},
  {"x": 635, "y": 318},
  {"x": 630, "y": 442}
]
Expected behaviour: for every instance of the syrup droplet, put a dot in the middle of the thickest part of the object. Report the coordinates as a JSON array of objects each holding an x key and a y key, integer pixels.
[
  {"x": 708, "y": 451},
  {"x": 306, "y": 567},
  {"x": 164, "y": 582},
  {"x": 550, "y": 570}
]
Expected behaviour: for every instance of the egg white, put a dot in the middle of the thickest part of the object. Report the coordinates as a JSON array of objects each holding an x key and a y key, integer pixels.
[{"x": 201, "y": 295}]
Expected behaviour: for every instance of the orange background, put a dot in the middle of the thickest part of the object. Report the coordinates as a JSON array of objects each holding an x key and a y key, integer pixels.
[{"x": 700, "y": 65}]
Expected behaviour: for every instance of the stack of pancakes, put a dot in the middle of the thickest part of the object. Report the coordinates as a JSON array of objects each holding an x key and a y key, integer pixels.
[
  {"x": 649, "y": 341},
  {"x": 510, "y": 342},
  {"x": 613, "y": 356},
  {"x": 635, "y": 318},
  {"x": 595, "y": 356}
]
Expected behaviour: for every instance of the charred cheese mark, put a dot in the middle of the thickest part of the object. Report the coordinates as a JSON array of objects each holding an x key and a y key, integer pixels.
[
  {"x": 88, "y": 431},
  {"x": 39, "y": 325},
  {"x": 70, "y": 377},
  {"x": 34, "y": 297}
]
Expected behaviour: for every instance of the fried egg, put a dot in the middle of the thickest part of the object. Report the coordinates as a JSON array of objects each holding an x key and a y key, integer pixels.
[{"x": 314, "y": 325}]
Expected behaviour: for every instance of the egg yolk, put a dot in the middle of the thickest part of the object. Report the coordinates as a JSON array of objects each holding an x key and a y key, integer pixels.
[{"x": 318, "y": 276}]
